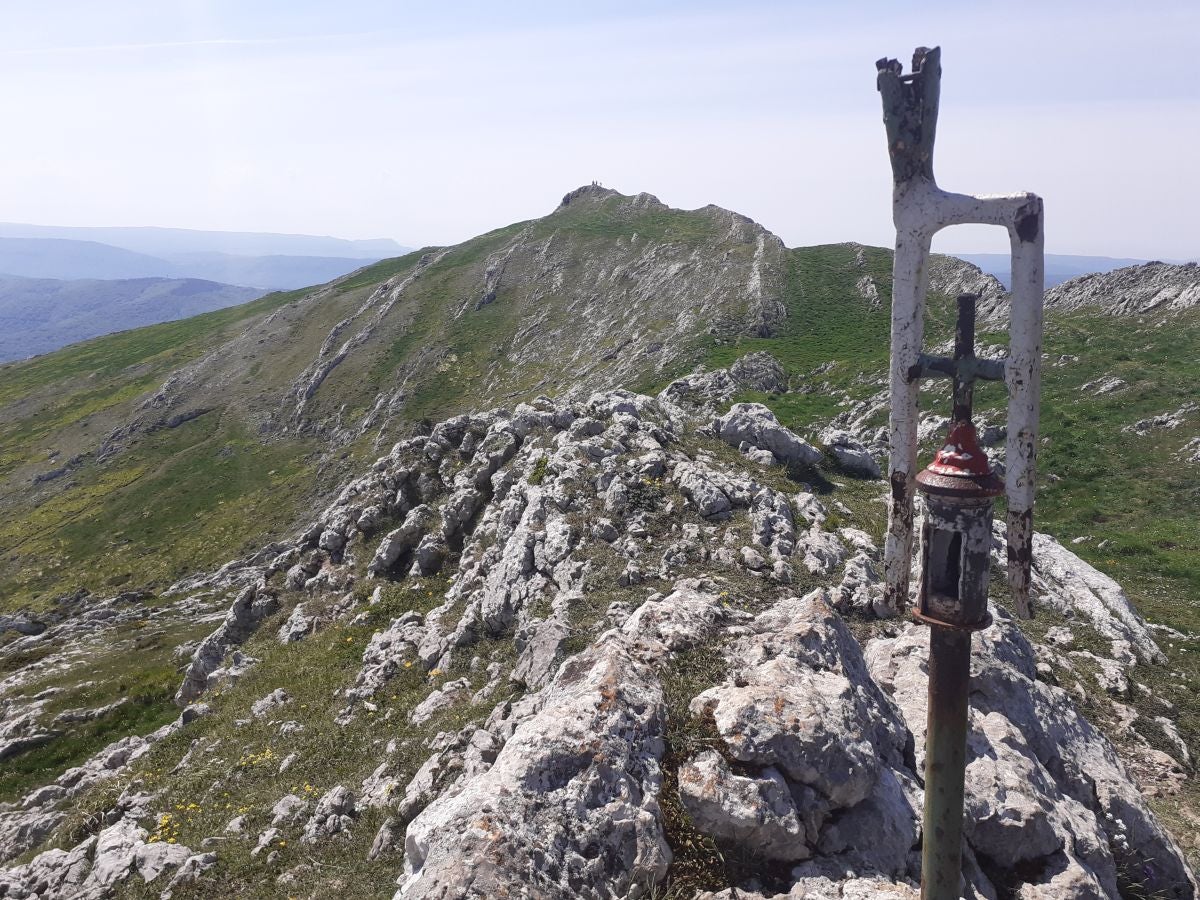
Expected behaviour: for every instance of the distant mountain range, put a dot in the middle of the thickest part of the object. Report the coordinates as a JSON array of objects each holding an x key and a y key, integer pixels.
[
  {"x": 59, "y": 285},
  {"x": 38, "y": 315},
  {"x": 266, "y": 261},
  {"x": 1060, "y": 267},
  {"x": 171, "y": 242}
]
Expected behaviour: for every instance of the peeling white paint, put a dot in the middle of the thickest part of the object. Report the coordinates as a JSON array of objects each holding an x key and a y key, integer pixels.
[{"x": 920, "y": 209}]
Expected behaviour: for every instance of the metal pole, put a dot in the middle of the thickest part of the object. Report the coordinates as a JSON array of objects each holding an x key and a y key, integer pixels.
[{"x": 945, "y": 762}]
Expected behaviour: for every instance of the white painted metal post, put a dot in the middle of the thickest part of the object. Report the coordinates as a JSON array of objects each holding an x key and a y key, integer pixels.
[
  {"x": 1023, "y": 375},
  {"x": 920, "y": 209},
  {"x": 909, "y": 281}
]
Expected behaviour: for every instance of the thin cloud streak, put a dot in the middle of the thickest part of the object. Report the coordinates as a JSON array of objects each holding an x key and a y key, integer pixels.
[{"x": 176, "y": 45}]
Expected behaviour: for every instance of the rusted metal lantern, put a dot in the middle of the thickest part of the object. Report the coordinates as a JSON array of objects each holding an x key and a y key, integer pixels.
[{"x": 958, "y": 488}]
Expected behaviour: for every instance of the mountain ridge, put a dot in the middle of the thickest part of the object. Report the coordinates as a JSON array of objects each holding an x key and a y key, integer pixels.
[
  {"x": 156, "y": 240},
  {"x": 403, "y": 400},
  {"x": 38, "y": 315}
]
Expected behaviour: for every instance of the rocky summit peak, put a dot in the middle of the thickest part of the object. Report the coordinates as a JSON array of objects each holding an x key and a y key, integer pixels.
[
  {"x": 597, "y": 193},
  {"x": 594, "y": 192}
]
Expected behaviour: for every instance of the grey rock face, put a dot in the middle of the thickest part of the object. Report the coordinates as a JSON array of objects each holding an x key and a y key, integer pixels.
[
  {"x": 287, "y": 811},
  {"x": 298, "y": 626},
  {"x": 951, "y": 276},
  {"x": 385, "y": 654},
  {"x": 1133, "y": 290},
  {"x": 1190, "y": 452},
  {"x": 822, "y": 551},
  {"x": 584, "y": 768},
  {"x": 1072, "y": 586},
  {"x": 251, "y": 607},
  {"x": 803, "y": 703},
  {"x": 823, "y": 887},
  {"x": 702, "y": 490},
  {"x": 850, "y": 454},
  {"x": 403, "y": 539},
  {"x": 754, "y": 811},
  {"x": 701, "y": 390},
  {"x": 1044, "y": 784},
  {"x": 754, "y": 424},
  {"x": 95, "y": 867},
  {"x": 759, "y": 371},
  {"x": 268, "y": 704},
  {"x": 447, "y": 695},
  {"x": 335, "y": 812},
  {"x": 1167, "y": 421},
  {"x": 192, "y": 870}
]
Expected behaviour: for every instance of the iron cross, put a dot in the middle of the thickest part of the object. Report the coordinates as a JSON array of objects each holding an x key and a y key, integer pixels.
[{"x": 964, "y": 368}]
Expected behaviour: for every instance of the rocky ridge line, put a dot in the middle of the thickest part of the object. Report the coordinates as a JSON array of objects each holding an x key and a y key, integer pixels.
[{"x": 816, "y": 737}]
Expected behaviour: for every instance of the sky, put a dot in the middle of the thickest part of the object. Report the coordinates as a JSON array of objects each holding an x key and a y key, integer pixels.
[{"x": 432, "y": 122}]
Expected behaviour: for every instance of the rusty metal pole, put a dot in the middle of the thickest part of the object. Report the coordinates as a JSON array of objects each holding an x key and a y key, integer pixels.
[
  {"x": 945, "y": 763},
  {"x": 959, "y": 488},
  {"x": 920, "y": 209}
]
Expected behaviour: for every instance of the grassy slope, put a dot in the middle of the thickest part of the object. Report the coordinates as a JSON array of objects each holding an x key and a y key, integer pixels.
[
  {"x": 103, "y": 526},
  {"x": 190, "y": 498},
  {"x": 1097, "y": 481}
]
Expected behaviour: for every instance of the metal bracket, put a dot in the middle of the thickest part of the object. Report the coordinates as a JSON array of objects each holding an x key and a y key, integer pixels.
[
  {"x": 920, "y": 209},
  {"x": 927, "y": 619}
]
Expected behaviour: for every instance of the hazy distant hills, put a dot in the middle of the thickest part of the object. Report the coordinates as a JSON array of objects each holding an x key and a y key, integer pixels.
[
  {"x": 266, "y": 261},
  {"x": 41, "y": 314},
  {"x": 274, "y": 272},
  {"x": 60, "y": 285},
  {"x": 168, "y": 242},
  {"x": 68, "y": 259},
  {"x": 1060, "y": 267}
]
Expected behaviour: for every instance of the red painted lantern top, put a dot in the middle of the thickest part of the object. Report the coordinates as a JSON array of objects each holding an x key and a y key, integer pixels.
[
  {"x": 961, "y": 455},
  {"x": 961, "y": 468}
]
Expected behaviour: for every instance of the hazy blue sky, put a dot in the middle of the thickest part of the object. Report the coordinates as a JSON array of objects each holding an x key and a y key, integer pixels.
[{"x": 432, "y": 122}]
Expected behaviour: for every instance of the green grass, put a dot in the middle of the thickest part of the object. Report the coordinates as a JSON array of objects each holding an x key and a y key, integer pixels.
[
  {"x": 369, "y": 276},
  {"x": 234, "y": 770},
  {"x": 135, "y": 666},
  {"x": 147, "y": 693},
  {"x": 184, "y": 500},
  {"x": 826, "y": 320}
]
